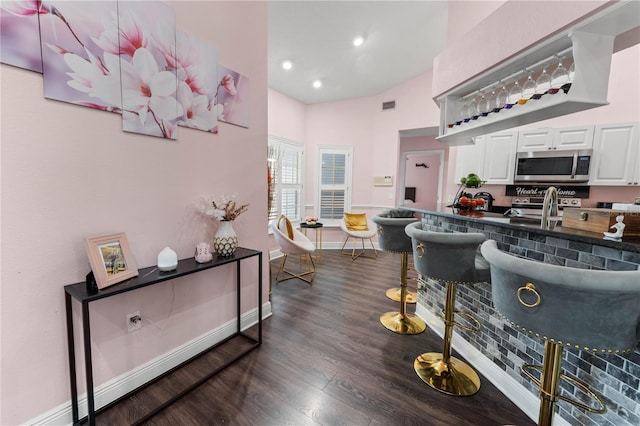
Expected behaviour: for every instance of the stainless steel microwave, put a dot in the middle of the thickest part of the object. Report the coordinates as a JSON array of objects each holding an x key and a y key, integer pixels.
[{"x": 553, "y": 166}]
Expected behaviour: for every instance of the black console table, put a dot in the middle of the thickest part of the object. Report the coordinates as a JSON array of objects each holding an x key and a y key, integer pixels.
[{"x": 150, "y": 276}]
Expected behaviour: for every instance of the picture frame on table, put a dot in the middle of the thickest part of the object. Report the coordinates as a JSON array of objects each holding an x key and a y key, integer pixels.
[{"x": 111, "y": 259}]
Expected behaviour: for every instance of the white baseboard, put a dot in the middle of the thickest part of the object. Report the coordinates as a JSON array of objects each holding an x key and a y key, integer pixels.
[
  {"x": 129, "y": 381},
  {"x": 510, "y": 387}
]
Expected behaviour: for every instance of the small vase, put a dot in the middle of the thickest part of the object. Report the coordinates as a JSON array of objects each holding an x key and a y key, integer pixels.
[{"x": 225, "y": 242}]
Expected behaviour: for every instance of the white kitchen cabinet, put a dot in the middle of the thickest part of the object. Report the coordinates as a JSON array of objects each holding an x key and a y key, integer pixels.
[
  {"x": 492, "y": 158},
  {"x": 470, "y": 159},
  {"x": 573, "y": 138},
  {"x": 548, "y": 139},
  {"x": 535, "y": 140},
  {"x": 616, "y": 155},
  {"x": 499, "y": 157}
]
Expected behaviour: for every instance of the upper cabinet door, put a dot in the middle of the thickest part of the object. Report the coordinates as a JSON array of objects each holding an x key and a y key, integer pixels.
[
  {"x": 573, "y": 138},
  {"x": 535, "y": 140},
  {"x": 499, "y": 157},
  {"x": 470, "y": 159},
  {"x": 615, "y": 155}
]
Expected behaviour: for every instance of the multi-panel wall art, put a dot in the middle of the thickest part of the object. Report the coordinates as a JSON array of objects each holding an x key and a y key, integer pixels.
[{"x": 124, "y": 57}]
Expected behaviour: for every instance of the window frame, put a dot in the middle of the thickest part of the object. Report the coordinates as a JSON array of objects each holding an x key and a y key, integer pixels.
[
  {"x": 347, "y": 150},
  {"x": 286, "y": 145}
]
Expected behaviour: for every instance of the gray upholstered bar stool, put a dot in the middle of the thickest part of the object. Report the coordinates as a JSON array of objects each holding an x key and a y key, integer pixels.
[
  {"x": 396, "y": 236},
  {"x": 392, "y": 238},
  {"x": 452, "y": 258},
  {"x": 588, "y": 310}
]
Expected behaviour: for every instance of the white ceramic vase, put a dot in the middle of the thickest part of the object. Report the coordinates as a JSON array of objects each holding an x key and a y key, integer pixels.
[{"x": 225, "y": 242}]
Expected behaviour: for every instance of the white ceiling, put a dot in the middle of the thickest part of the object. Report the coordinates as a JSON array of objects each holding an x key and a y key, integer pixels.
[{"x": 401, "y": 40}]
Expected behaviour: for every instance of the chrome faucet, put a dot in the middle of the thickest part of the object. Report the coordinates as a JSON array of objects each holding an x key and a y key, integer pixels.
[{"x": 549, "y": 207}]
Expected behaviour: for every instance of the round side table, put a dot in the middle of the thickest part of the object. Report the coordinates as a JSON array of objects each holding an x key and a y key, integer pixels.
[{"x": 317, "y": 227}]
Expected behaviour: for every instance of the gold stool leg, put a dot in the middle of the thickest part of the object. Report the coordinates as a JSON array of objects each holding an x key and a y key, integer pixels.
[
  {"x": 550, "y": 383},
  {"x": 441, "y": 371},
  {"x": 403, "y": 322},
  {"x": 395, "y": 293}
]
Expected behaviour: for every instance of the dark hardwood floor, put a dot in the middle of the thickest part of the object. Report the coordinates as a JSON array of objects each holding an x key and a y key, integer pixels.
[{"x": 325, "y": 360}]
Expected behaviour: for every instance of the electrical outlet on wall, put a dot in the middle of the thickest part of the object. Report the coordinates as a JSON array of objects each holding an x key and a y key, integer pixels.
[
  {"x": 134, "y": 321},
  {"x": 451, "y": 198}
]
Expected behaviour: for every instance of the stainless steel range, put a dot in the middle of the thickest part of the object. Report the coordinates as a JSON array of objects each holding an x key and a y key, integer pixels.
[{"x": 528, "y": 199}]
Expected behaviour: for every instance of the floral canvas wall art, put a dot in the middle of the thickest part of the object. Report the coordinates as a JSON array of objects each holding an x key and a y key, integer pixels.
[
  {"x": 197, "y": 64},
  {"x": 77, "y": 66},
  {"x": 232, "y": 97},
  {"x": 125, "y": 57},
  {"x": 19, "y": 34},
  {"x": 148, "y": 65}
]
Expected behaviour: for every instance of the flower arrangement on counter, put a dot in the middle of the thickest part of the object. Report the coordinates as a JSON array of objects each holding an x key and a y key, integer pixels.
[{"x": 225, "y": 210}]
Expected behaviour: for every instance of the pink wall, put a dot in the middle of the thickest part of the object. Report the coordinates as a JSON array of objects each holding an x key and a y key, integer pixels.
[
  {"x": 470, "y": 13},
  {"x": 70, "y": 172},
  {"x": 287, "y": 117}
]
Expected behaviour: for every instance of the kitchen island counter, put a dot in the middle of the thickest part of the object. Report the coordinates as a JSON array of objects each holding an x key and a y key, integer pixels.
[
  {"x": 524, "y": 237},
  {"x": 499, "y": 349}
]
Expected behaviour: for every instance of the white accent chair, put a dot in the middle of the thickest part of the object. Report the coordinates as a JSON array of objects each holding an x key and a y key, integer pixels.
[
  {"x": 293, "y": 242},
  {"x": 359, "y": 235}
]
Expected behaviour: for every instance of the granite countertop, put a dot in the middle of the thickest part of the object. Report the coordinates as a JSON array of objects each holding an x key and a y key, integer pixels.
[{"x": 530, "y": 225}]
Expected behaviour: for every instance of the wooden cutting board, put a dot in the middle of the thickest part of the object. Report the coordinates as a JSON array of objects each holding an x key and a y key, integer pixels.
[{"x": 600, "y": 220}]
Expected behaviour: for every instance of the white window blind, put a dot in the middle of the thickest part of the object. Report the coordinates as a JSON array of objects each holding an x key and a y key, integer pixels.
[
  {"x": 334, "y": 196},
  {"x": 286, "y": 169}
]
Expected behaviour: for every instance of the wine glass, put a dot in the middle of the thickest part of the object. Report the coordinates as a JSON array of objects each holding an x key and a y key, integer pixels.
[
  {"x": 473, "y": 109},
  {"x": 502, "y": 99},
  {"x": 572, "y": 71},
  {"x": 491, "y": 102},
  {"x": 464, "y": 112},
  {"x": 514, "y": 95},
  {"x": 559, "y": 77},
  {"x": 494, "y": 103},
  {"x": 528, "y": 90},
  {"x": 543, "y": 84}
]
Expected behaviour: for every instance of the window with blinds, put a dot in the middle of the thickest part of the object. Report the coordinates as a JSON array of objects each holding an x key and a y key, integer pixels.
[
  {"x": 334, "y": 183},
  {"x": 286, "y": 171}
]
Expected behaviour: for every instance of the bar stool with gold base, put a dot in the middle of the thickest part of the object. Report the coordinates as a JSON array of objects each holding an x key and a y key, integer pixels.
[
  {"x": 451, "y": 258},
  {"x": 392, "y": 238},
  {"x": 578, "y": 309}
]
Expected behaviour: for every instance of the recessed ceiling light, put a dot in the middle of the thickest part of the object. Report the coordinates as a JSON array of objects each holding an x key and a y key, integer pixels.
[
  {"x": 317, "y": 84},
  {"x": 287, "y": 65},
  {"x": 358, "y": 41}
]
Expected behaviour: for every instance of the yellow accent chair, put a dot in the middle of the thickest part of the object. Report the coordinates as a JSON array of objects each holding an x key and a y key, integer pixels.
[{"x": 358, "y": 227}]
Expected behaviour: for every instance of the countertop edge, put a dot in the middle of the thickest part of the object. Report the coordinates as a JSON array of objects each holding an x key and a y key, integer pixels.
[{"x": 632, "y": 247}]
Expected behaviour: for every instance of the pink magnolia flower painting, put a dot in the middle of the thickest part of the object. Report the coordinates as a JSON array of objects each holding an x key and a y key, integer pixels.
[
  {"x": 232, "y": 99},
  {"x": 75, "y": 68},
  {"x": 195, "y": 62},
  {"x": 147, "y": 47},
  {"x": 124, "y": 57},
  {"x": 19, "y": 34}
]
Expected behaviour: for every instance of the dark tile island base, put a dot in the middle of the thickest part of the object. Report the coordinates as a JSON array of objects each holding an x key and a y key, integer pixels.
[{"x": 616, "y": 378}]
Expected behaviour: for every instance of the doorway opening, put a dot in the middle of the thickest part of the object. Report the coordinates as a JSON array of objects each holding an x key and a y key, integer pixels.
[{"x": 421, "y": 169}]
